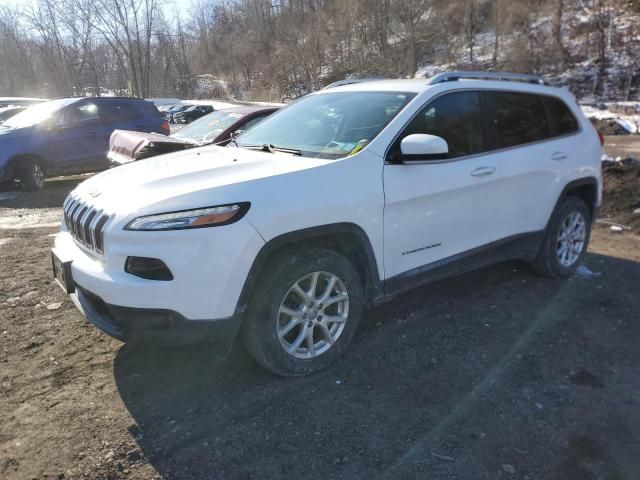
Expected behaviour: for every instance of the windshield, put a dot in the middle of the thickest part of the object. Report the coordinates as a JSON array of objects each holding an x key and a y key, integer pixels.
[
  {"x": 37, "y": 113},
  {"x": 207, "y": 128},
  {"x": 328, "y": 125}
]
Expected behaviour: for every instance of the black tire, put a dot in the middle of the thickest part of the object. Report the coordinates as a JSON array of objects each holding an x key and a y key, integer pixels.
[
  {"x": 31, "y": 174},
  {"x": 547, "y": 262},
  {"x": 261, "y": 322}
]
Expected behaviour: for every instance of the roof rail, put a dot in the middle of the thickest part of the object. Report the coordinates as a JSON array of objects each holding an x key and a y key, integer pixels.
[
  {"x": 499, "y": 76},
  {"x": 349, "y": 81}
]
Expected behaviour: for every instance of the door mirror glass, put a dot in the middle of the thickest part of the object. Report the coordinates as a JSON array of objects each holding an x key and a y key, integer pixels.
[{"x": 424, "y": 145}]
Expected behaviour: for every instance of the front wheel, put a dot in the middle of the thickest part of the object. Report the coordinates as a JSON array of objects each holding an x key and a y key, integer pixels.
[
  {"x": 305, "y": 313},
  {"x": 566, "y": 240},
  {"x": 32, "y": 175}
]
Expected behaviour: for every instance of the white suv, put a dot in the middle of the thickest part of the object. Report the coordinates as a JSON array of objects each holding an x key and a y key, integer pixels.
[{"x": 344, "y": 199}]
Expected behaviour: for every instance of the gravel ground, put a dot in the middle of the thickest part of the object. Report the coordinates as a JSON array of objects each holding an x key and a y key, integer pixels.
[{"x": 494, "y": 374}]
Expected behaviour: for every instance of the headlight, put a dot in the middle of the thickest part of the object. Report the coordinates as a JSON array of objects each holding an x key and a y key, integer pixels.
[{"x": 197, "y": 218}]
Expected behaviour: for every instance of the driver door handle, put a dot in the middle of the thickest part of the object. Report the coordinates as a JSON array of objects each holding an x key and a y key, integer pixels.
[
  {"x": 559, "y": 156},
  {"x": 483, "y": 171}
]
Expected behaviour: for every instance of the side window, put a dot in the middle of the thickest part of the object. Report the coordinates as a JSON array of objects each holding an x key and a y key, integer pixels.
[
  {"x": 456, "y": 117},
  {"x": 85, "y": 115},
  {"x": 560, "y": 117},
  {"x": 517, "y": 118},
  {"x": 112, "y": 112},
  {"x": 250, "y": 123}
]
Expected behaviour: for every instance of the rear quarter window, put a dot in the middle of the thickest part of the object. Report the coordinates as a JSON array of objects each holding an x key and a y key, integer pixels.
[
  {"x": 516, "y": 118},
  {"x": 118, "y": 112},
  {"x": 561, "y": 119}
]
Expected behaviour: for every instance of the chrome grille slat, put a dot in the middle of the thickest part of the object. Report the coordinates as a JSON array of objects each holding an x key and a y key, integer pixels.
[
  {"x": 92, "y": 226},
  {"x": 82, "y": 221},
  {"x": 85, "y": 223}
]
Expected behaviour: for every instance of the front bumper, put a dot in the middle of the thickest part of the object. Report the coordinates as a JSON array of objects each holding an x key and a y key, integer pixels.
[{"x": 156, "y": 326}]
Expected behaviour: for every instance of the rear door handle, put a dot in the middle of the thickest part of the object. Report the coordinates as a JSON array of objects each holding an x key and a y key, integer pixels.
[
  {"x": 559, "y": 156},
  {"x": 483, "y": 171}
]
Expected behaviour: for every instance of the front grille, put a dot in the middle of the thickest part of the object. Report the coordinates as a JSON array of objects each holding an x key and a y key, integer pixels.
[{"x": 85, "y": 224}]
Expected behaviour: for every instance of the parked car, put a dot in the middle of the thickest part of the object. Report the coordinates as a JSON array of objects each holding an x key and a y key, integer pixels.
[
  {"x": 217, "y": 128},
  {"x": 8, "y": 112},
  {"x": 192, "y": 113},
  {"x": 163, "y": 108},
  {"x": 24, "y": 101},
  {"x": 175, "y": 109},
  {"x": 343, "y": 199},
  {"x": 68, "y": 136}
]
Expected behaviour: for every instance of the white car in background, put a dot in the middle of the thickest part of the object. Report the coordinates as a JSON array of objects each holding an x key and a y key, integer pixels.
[{"x": 344, "y": 199}]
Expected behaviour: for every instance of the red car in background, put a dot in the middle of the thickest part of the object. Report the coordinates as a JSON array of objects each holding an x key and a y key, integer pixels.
[{"x": 218, "y": 128}]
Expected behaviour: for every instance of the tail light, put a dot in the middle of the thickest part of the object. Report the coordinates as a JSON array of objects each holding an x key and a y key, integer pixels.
[
  {"x": 165, "y": 126},
  {"x": 601, "y": 137}
]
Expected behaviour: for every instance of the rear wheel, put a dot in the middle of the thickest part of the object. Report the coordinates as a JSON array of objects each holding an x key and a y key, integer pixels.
[
  {"x": 305, "y": 314},
  {"x": 31, "y": 175},
  {"x": 566, "y": 241}
]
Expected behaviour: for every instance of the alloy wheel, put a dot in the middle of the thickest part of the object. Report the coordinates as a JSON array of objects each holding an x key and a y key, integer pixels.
[
  {"x": 571, "y": 239},
  {"x": 37, "y": 174},
  {"x": 312, "y": 315}
]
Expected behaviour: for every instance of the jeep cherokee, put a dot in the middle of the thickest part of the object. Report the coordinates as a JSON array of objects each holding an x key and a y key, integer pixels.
[{"x": 343, "y": 199}]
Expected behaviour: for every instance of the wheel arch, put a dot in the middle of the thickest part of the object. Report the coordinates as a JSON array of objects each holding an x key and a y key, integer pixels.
[
  {"x": 585, "y": 188},
  {"x": 14, "y": 166},
  {"x": 347, "y": 239}
]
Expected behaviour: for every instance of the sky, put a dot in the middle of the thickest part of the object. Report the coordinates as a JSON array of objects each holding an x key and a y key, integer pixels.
[{"x": 171, "y": 6}]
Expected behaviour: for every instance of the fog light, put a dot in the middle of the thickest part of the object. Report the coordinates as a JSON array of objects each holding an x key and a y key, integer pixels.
[{"x": 148, "y": 268}]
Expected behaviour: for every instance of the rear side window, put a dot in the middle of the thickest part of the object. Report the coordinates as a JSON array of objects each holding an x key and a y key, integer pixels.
[
  {"x": 560, "y": 117},
  {"x": 456, "y": 117},
  {"x": 118, "y": 112},
  {"x": 516, "y": 118},
  {"x": 150, "y": 108},
  {"x": 254, "y": 121}
]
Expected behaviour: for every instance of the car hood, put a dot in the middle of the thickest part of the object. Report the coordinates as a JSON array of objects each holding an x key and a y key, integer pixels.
[
  {"x": 6, "y": 131},
  {"x": 127, "y": 146},
  {"x": 191, "y": 178}
]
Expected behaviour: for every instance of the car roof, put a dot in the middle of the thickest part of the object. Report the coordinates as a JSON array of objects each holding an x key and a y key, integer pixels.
[
  {"x": 414, "y": 85},
  {"x": 105, "y": 99},
  {"x": 248, "y": 109},
  {"x": 419, "y": 85},
  {"x": 22, "y": 99}
]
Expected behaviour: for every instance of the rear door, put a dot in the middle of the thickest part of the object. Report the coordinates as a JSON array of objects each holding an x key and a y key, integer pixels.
[
  {"x": 528, "y": 160},
  {"x": 437, "y": 209}
]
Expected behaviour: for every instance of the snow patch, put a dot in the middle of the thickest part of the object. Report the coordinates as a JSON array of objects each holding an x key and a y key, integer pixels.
[
  {"x": 8, "y": 196},
  {"x": 584, "y": 272},
  {"x": 15, "y": 219}
]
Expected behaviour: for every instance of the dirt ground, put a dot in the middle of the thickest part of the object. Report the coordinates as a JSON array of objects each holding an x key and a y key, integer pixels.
[{"x": 494, "y": 374}]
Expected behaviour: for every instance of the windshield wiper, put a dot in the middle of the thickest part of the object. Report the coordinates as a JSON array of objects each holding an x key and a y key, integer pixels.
[{"x": 267, "y": 147}]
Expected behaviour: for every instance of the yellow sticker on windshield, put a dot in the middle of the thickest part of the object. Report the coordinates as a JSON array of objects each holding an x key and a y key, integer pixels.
[{"x": 356, "y": 149}]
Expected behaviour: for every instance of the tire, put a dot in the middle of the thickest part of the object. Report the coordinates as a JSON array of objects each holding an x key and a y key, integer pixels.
[
  {"x": 554, "y": 261},
  {"x": 32, "y": 174},
  {"x": 268, "y": 331}
]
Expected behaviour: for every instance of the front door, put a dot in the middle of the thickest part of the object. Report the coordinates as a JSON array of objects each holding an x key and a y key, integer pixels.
[
  {"x": 74, "y": 143},
  {"x": 438, "y": 209}
]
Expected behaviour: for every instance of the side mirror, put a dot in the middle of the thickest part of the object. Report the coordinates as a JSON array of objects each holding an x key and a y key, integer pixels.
[{"x": 423, "y": 147}]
